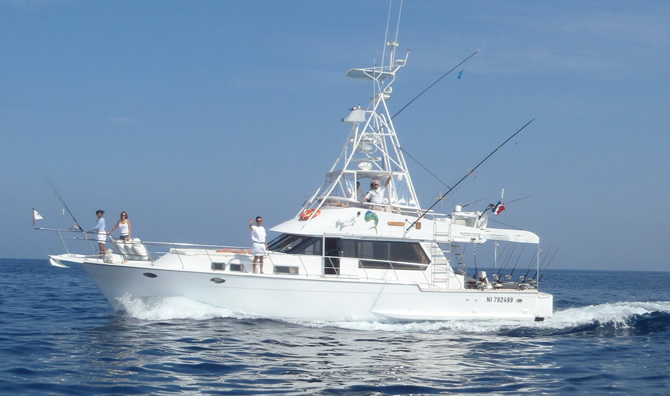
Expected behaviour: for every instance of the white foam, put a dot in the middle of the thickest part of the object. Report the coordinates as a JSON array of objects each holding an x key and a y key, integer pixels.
[
  {"x": 614, "y": 313},
  {"x": 455, "y": 326},
  {"x": 618, "y": 314},
  {"x": 168, "y": 308}
]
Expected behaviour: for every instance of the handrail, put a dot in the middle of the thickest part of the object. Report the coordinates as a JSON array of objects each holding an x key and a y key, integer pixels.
[{"x": 157, "y": 249}]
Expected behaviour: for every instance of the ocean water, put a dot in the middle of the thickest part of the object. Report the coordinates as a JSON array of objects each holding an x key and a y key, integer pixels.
[{"x": 58, "y": 335}]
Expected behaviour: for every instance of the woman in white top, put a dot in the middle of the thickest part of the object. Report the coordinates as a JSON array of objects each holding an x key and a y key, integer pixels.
[{"x": 125, "y": 229}]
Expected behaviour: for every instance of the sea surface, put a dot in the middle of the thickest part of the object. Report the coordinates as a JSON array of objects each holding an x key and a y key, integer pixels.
[{"x": 610, "y": 334}]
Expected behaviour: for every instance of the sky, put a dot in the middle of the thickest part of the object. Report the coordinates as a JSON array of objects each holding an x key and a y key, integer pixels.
[{"x": 196, "y": 116}]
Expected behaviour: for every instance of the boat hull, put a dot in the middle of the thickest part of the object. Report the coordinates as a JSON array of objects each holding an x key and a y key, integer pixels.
[{"x": 319, "y": 298}]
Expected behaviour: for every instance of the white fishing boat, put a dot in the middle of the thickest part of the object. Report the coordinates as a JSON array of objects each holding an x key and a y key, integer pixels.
[{"x": 338, "y": 258}]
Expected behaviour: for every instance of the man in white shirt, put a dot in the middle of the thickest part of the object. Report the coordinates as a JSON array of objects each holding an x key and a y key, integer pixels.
[
  {"x": 376, "y": 193},
  {"x": 258, "y": 238}
]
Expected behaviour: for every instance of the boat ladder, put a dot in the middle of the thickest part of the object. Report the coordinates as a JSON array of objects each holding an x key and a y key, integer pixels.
[{"x": 441, "y": 267}]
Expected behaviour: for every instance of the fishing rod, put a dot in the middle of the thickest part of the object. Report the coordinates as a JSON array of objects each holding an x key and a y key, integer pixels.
[
  {"x": 468, "y": 174},
  {"x": 76, "y": 225},
  {"x": 502, "y": 267},
  {"x": 473, "y": 202},
  {"x": 531, "y": 263},
  {"x": 424, "y": 168},
  {"x": 518, "y": 199},
  {"x": 548, "y": 264},
  {"x": 434, "y": 83},
  {"x": 542, "y": 263},
  {"x": 497, "y": 256},
  {"x": 417, "y": 97},
  {"x": 474, "y": 258},
  {"x": 509, "y": 257},
  {"x": 517, "y": 262}
]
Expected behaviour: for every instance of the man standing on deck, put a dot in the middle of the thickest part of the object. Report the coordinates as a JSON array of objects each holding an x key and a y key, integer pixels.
[
  {"x": 258, "y": 239},
  {"x": 99, "y": 229},
  {"x": 376, "y": 193}
]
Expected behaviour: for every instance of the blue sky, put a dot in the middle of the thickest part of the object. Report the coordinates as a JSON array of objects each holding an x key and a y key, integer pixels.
[{"x": 196, "y": 116}]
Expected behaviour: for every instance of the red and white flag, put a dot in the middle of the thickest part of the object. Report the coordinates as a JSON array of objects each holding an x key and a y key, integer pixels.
[{"x": 498, "y": 208}]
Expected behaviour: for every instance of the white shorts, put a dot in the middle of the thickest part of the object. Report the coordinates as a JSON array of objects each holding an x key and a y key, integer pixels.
[
  {"x": 102, "y": 236},
  {"x": 258, "y": 249}
]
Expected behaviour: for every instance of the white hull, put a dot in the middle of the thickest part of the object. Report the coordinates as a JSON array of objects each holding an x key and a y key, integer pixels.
[{"x": 327, "y": 299}]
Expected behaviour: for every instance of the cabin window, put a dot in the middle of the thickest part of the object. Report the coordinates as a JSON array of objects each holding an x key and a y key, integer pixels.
[
  {"x": 371, "y": 254},
  {"x": 410, "y": 252},
  {"x": 296, "y": 244},
  {"x": 380, "y": 254},
  {"x": 237, "y": 267},
  {"x": 282, "y": 242},
  {"x": 369, "y": 264},
  {"x": 288, "y": 270}
]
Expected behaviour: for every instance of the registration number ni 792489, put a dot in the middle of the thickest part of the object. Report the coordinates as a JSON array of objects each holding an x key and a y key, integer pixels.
[{"x": 498, "y": 299}]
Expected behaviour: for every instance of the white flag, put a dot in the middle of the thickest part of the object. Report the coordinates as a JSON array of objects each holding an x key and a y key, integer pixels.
[{"x": 36, "y": 216}]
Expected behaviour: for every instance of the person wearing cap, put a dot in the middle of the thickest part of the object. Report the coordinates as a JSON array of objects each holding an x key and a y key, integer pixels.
[{"x": 99, "y": 229}]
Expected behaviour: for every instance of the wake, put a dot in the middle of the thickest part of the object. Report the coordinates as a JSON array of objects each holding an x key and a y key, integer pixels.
[{"x": 602, "y": 319}]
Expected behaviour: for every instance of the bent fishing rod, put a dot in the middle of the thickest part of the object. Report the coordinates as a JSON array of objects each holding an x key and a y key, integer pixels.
[{"x": 468, "y": 174}]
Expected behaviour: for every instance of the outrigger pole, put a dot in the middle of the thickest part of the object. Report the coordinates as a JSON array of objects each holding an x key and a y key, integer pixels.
[{"x": 468, "y": 174}]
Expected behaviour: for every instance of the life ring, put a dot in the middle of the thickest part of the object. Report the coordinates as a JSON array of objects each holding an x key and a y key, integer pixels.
[{"x": 309, "y": 213}]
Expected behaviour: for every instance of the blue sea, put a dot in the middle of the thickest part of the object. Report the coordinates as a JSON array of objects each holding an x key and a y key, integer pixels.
[{"x": 58, "y": 335}]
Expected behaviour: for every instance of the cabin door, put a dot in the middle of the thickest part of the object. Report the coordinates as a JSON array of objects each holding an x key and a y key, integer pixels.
[{"x": 331, "y": 257}]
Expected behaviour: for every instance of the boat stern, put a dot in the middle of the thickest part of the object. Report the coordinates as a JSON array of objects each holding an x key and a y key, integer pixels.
[{"x": 544, "y": 307}]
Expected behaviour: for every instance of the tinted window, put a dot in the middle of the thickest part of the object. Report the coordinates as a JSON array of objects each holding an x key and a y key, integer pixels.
[
  {"x": 410, "y": 252},
  {"x": 370, "y": 264},
  {"x": 296, "y": 244},
  {"x": 373, "y": 254}
]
